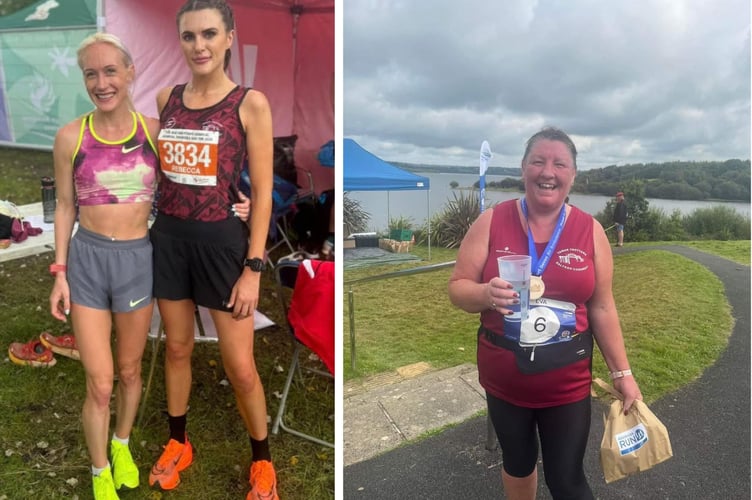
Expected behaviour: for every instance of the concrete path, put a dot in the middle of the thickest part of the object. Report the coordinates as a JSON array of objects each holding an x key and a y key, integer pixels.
[{"x": 708, "y": 422}]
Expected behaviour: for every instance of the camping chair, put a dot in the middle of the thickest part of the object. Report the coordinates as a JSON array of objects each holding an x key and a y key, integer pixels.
[
  {"x": 286, "y": 198},
  {"x": 286, "y": 274},
  {"x": 156, "y": 334}
]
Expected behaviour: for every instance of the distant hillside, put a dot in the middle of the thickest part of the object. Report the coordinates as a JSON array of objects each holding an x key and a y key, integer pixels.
[
  {"x": 454, "y": 169},
  {"x": 677, "y": 180}
]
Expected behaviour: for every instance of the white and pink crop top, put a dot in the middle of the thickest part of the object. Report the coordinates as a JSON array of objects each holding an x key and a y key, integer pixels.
[{"x": 106, "y": 172}]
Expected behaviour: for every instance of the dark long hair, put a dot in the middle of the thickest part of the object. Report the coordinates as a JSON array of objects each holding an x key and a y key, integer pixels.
[{"x": 228, "y": 19}]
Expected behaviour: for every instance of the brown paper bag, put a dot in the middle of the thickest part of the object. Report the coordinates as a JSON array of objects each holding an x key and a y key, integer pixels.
[{"x": 631, "y": 443}]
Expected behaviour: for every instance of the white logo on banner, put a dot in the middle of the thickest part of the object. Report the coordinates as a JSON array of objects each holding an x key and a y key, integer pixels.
[
  {"x": 61, "y": 60},
  {"x": 43, "y": 11},
  {"x": 41, "y": 95}
]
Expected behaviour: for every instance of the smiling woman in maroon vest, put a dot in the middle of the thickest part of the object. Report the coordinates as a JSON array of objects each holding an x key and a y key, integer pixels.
[{"x": 537, "y": 372}]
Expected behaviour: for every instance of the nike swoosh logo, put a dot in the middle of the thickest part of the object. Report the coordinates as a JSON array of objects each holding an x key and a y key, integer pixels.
[
  {"x": 126, "y": 150},
  {"x": 134, "y": 303}
]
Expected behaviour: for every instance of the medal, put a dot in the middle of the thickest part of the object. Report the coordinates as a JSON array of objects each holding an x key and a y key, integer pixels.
[
  {"x": 538, "y": 265},
  {"x": 537, "y": 287}
]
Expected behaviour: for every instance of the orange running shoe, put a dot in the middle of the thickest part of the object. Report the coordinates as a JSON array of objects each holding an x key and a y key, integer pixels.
[
  {"x": 263, "y": 481},
  {"x": 32, "y": 353},
  {"x": 65, "y": 345},
  {"x": 175, "y": 458}
]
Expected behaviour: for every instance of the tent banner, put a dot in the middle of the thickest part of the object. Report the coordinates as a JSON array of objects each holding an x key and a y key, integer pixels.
[
  {"x": 42, "y": 87},
  {"x": 287, "y": 53}
]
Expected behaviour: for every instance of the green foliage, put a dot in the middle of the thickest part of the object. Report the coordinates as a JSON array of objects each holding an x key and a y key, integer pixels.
[
  {"x": 354, "y": 218},
  {"x": 401, "y": 222},
  {"x": 507, "y": 183},
  {"x": 454, "y": 184},
  {"x": 717, "y": 223},
  {"x": 680, "y": 180},
  {"x": 12, "y": 6},
  {"x": 450, "y": 226},
  {"x": 650, "y": 224}
]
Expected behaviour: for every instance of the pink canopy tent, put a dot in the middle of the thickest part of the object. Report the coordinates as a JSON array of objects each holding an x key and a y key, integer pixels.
[{"x": 284, "y": 48}]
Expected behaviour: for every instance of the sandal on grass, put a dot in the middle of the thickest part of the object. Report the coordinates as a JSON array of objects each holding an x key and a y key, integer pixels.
[
  {"x": 32, "y": 353},
  {"x": 64, "y": 345}
]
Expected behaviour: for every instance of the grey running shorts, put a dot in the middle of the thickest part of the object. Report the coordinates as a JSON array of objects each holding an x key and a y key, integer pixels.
[{"x": 109, "y": 274}]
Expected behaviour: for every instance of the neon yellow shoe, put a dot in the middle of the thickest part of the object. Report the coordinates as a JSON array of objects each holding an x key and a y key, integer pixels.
[
  {"x": 125, "y": 469},
  {"x": 104, "y": 487}
]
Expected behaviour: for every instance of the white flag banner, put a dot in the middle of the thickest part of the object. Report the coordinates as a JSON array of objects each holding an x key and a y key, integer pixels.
[{"x": 485, "y": 156}]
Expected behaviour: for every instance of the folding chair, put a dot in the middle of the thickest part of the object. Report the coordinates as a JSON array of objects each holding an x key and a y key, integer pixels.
[
  {"x": 156, "y": 334},
  {"x": 286, "y": 275},
  {"x": 286, "y": 198}
]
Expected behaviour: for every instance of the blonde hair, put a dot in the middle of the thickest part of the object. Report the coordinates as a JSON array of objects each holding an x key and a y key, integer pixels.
[
  {"x": 112, "y": 40},
  {"x": 107, "y": 38}
]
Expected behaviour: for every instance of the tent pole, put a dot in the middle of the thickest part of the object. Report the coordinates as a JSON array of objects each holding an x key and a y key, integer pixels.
[
  {"x": 388, "y": 212},
  {"x": 101, "y": 17},
  {"x": 428, "y": 211}
]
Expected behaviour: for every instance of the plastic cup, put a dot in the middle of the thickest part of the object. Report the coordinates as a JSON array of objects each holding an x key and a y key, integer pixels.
[{"x": 516, "y": 270}]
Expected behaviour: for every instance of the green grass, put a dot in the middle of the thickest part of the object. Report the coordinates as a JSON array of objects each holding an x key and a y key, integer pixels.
[
  {"x": 674, "y": 315},
  {"x": 22, "y": 170},
  {"x": 42, "y": 448},
  {"x": 738, "y": 250}
]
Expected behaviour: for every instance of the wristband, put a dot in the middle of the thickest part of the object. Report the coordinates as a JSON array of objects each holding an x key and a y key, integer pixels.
[
  {"x": 621, "y": 374},
  {"x": 56, "y": 268}
]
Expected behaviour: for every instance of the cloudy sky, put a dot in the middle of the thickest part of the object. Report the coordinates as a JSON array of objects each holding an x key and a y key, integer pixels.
[{"x": 426, "y": 81}]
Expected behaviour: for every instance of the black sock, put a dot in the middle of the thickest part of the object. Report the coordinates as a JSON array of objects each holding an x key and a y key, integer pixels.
[
  {"x": 177, "y": 427},
  {"x": 260, "y": 450}
]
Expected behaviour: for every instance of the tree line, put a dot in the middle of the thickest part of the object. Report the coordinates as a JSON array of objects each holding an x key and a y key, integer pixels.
[{"x": 678, "y": 180}]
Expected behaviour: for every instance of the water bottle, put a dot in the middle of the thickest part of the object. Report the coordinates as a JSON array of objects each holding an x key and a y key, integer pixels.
[{"x": 48, "y": 199}]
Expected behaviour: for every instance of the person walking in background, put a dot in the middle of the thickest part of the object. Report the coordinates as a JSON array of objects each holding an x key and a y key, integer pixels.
[
  {"x": 541, "y": 392},
  {"x": 202, "y": 255},
  {"x": 620, "y": 218},
  {"x": 105, "y": 172}
]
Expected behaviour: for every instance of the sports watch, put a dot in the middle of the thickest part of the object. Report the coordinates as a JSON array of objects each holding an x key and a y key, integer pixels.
[{"x": 255, "y": 264}]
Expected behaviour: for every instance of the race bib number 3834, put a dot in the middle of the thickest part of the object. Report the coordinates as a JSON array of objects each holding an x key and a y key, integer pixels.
[{"x": 189, "y": 156}]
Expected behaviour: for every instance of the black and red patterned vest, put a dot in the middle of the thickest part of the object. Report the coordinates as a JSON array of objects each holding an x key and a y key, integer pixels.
[{"x": 201, "y": 153}]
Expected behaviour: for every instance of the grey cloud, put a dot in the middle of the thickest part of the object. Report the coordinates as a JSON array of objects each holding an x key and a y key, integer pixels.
[{"x": 650, "y": 79}]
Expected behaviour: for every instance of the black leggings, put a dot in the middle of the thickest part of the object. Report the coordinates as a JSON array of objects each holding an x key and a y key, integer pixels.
[{"x": 563, "y": 432}]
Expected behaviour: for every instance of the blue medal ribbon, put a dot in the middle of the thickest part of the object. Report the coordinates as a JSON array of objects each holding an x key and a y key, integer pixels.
[{"x": 539, "y": 265}]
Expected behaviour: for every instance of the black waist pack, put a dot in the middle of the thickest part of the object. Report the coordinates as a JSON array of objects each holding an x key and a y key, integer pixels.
[{"x": 542, "y": 358}]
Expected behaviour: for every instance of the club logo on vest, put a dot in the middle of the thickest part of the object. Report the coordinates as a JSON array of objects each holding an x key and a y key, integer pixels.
[{"x": 571, "y": 259}]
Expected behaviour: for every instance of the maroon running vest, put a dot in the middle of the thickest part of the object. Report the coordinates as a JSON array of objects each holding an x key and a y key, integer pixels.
[
  {"x": 568, "y": 277},
  {"x": 201, "y": 153}
]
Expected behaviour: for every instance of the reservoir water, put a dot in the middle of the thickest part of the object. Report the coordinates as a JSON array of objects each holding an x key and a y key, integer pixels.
[{"x": 416, "y": 205}]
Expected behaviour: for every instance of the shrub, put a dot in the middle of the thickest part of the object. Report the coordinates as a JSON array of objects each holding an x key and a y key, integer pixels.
[
  {"x": 717, "y": 223},
  {"x": 354, "y": 218},
  {"x": 450, "y": 226}
]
